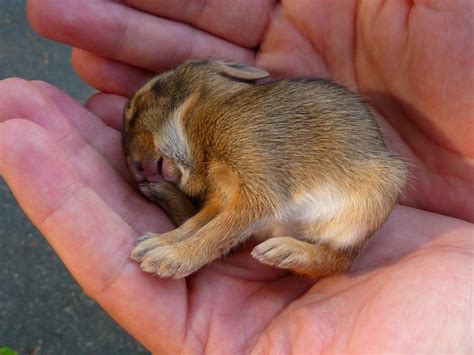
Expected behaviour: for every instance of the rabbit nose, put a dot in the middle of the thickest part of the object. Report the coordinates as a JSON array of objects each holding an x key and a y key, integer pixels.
[{"x": 146, "y": 168}]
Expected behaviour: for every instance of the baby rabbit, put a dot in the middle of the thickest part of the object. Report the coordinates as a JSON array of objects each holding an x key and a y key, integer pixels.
[{"x": 299, "y": 164}]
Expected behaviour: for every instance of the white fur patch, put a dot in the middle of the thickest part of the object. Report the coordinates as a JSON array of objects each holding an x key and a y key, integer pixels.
[
  {"x": 322, "y": 204},
  {"x": 345, "y": 235},
  {"x": 175, "y": 142},
  {"x": 319, "y": 204}
]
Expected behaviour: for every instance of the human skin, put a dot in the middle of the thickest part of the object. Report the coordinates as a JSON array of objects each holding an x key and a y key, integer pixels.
[{"x": 411, "y": 289}]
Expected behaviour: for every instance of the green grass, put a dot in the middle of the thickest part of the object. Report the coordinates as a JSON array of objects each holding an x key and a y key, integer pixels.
[{"x": 7, "y": 351}]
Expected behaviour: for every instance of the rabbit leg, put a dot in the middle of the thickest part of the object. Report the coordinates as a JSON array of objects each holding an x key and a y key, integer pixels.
[
  {"x": 149, "y": 242},
  {"x": 304, "y": 258},
  {"x": 175, "y": 202},
  {"x": 201, "y": 245}
]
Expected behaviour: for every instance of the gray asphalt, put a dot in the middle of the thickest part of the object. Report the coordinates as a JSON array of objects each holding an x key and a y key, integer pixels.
[{"x": 42, "y": 309}]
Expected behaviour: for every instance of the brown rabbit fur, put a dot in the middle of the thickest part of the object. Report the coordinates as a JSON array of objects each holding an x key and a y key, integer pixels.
[{"x": 299, "y": 164}]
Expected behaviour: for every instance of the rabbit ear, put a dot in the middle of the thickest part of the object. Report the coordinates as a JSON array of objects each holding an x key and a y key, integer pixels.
[{"x": 239, "y": 70}]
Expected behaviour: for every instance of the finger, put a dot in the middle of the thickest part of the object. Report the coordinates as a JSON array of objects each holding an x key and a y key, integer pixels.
[
  {"x": 108, "y": 107},
  {"x": 108, "y": 75},
  {"x": 101, "y": 108},
  {"x": 48, "y": 193},
  {"x": 113, "y": 30},
  {"x": 242, "y": 22},
  {"x": 407, "y": 231},
  {"x": 286, "y": 51},
  {"x": 91, "y": 239},
  {"x": 94, "y": 169},
  {"x": 50, "y": 99}
]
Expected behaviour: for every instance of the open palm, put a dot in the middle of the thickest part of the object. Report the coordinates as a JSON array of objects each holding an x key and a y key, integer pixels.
[{"x": 65, "y": 167}]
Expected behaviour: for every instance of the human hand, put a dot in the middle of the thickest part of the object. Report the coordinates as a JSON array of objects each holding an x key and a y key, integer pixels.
[
  {"x": 412, "y": 280},
  {"x": 413, "y": 61}
]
